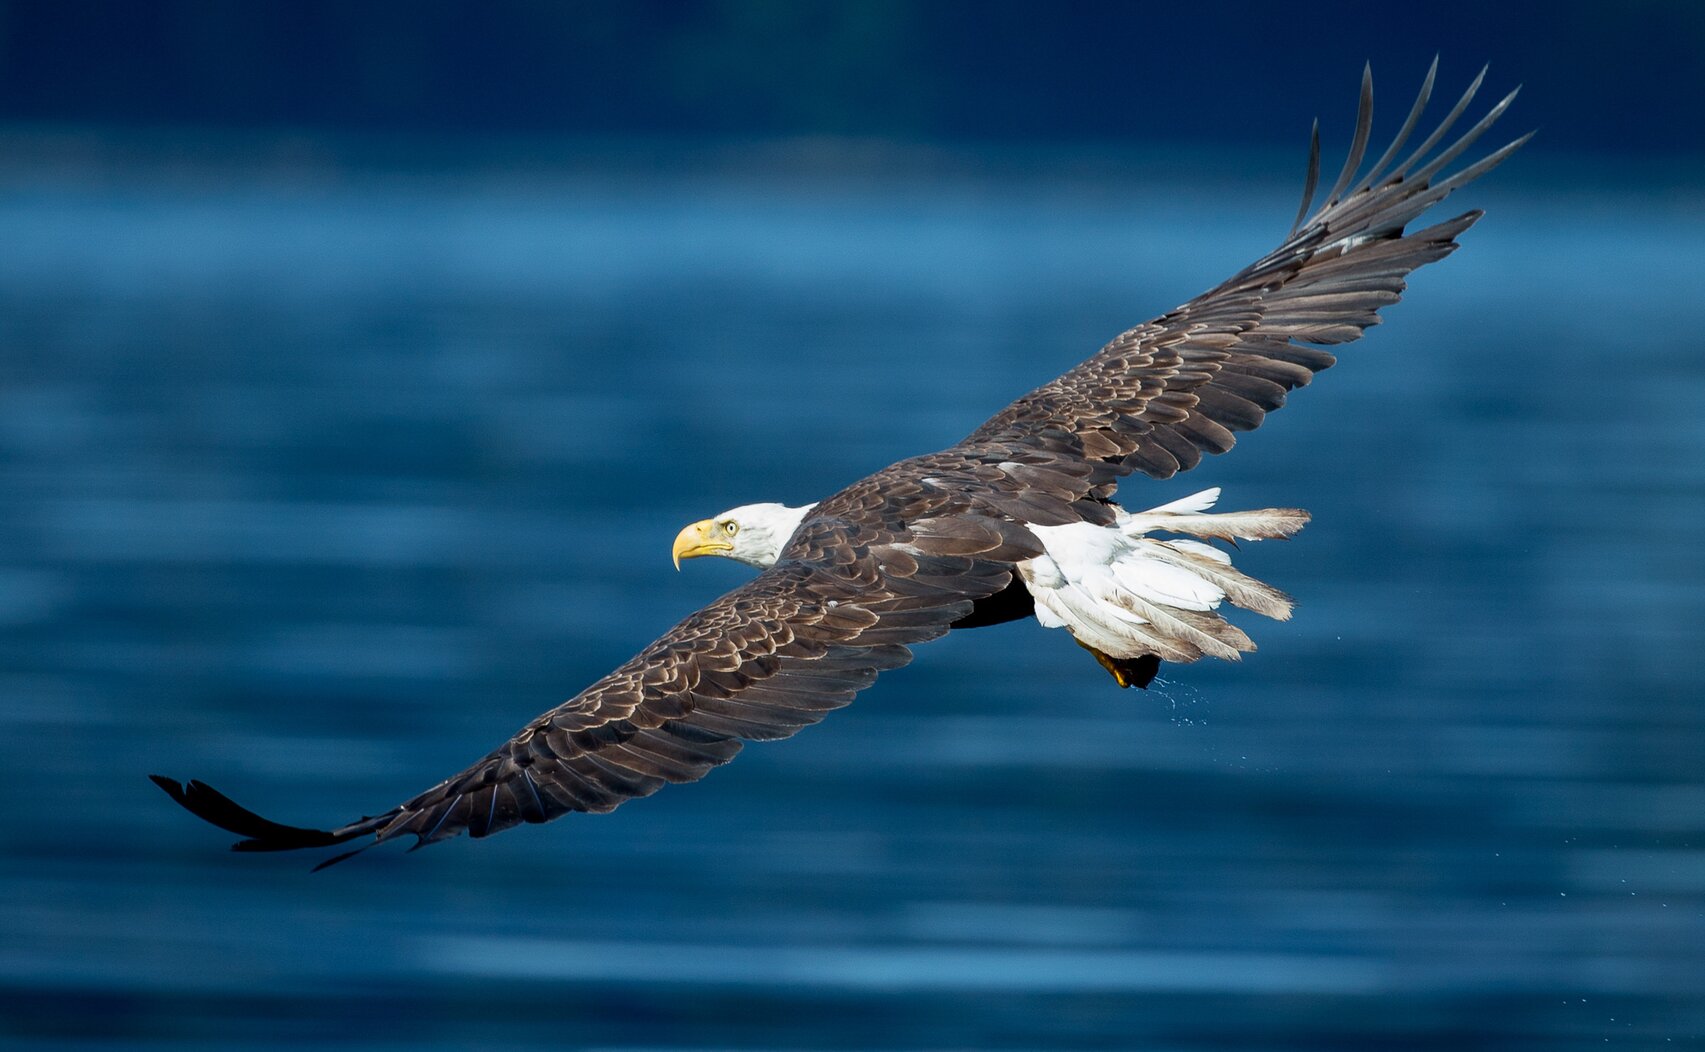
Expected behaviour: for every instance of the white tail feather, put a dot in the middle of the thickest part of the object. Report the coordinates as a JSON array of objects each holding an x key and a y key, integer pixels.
[
  {"x": 1243, "y": 591},
  {"x": 1128, "y": 594},
  {"x": 1201, "y": 501},
  {"x": 1188, "y": 516}
]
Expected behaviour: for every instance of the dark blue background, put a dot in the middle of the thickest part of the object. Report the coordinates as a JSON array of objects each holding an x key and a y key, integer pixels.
[
  {"x": 358, "y": 364},
  {"x": 1606, "y": 78}
]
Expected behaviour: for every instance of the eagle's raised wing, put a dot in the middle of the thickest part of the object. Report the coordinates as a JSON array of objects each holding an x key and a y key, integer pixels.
[
  {"x": 1159, "y": 395},
  {"x": 761, "y": 662}
]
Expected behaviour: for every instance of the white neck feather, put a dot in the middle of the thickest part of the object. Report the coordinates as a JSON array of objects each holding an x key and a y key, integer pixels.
[{"x": 764, "y": 531}]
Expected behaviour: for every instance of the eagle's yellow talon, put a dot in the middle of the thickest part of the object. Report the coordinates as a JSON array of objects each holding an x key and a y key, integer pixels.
[{"x": 1106, "y": 662}]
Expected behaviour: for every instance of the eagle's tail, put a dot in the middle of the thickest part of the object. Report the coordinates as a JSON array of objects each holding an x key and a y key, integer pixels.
[{"x": 1125, "y": 594}]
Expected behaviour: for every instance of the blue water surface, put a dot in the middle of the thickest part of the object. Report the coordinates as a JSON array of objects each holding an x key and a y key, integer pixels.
[{"x": 319, "y": 490}]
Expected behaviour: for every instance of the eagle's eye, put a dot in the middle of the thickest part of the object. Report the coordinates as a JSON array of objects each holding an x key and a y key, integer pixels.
[{"x": 731, "y": 527}]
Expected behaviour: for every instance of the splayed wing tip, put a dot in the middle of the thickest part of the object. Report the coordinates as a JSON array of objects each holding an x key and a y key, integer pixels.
[
  {"x": 259, "y": 834},
  {"x": 1312, "y": 181}
]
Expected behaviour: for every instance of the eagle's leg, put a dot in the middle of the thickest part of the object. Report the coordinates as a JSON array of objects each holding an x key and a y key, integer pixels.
[
  {"x": 1011, "y": 603},
  {"x": 1127, "y": 672}
]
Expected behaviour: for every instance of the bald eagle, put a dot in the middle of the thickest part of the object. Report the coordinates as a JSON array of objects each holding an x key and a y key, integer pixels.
[
  {"x": 1016, "y": 520},
  {"x": 1128, "y": 598}
]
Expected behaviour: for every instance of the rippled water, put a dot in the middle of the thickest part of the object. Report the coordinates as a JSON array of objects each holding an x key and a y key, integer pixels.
[{"x": 317, "y": 493}]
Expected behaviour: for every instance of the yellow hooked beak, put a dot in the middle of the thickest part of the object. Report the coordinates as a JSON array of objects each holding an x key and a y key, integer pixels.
[{"x": 704, "y": 537}]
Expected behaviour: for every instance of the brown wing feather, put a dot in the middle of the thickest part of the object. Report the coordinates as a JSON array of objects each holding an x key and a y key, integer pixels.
[
  {"x": 759, "y": 663},
  {"x": 1162, "y": 394}
]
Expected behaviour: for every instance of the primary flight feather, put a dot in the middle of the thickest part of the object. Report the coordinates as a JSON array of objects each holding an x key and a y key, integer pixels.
[{"x": 1015, "y": 520}]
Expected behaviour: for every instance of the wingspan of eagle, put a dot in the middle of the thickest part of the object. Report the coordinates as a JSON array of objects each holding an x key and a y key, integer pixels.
[{"x": 898, "y": 557}]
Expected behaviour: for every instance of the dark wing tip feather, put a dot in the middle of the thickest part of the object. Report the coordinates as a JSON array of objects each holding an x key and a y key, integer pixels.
[
  {"x": 211, "y": 806},
  {"x": 1485, "y": 164},
  {"x": 1422, "y": 97},
  {"x": 1402, "y": 170},
  {"x": 1359, "y": 143},
  {"x": 1467, "y": 139},
  {"x": 1382, "y": 204},
  {"x": 1313, "y": 179}
]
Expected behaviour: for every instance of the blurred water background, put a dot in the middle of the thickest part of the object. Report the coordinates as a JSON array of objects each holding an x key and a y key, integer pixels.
[{"x": 328, "y": 459}]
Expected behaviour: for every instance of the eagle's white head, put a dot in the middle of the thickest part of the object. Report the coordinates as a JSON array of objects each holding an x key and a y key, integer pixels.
[{"x": 753, "y": 534}]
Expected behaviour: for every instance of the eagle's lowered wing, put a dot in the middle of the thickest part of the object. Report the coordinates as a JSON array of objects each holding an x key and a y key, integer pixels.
[{"x": 759, "y": 663}]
